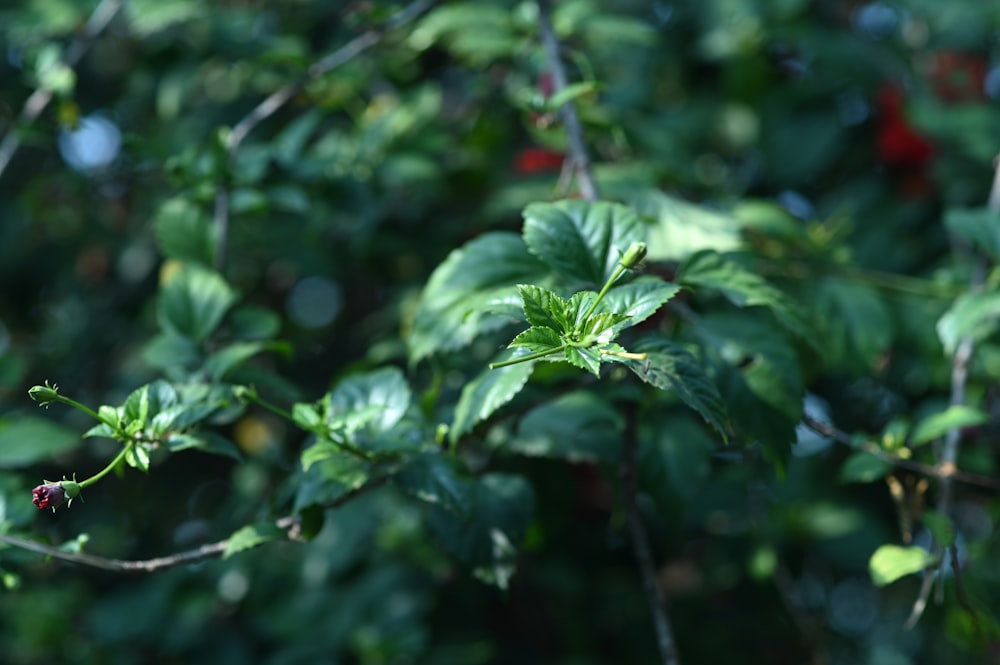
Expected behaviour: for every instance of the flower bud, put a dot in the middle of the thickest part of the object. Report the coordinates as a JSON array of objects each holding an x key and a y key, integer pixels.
[
  {"x": 49, "y": 495},
  {"x": 44, "y": 395},
  {"x": 635, "y": 253}
]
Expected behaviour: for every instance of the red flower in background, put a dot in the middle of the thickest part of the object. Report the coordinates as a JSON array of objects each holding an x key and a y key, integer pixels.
[
  {"x": 535, "y": 160},
  {"x": 899, "y": 145}
]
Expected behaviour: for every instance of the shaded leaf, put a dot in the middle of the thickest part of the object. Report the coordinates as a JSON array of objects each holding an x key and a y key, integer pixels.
[
  {"x": 192, "y": 302},
  {"x": 185, "y": 232},
  {"x": 28, "y": 440},
  {"x": 639, "y": 299},
  {"x": 862, "y": 467},
  {"x": 436, "y": 479},
  {"x": 980, "y": 227},
  {"x": 251, "y": 536},
  {"x": 954, "y": 417},
  {"x": 579, "y": 426},
  {"x": 975, "y": 315}
]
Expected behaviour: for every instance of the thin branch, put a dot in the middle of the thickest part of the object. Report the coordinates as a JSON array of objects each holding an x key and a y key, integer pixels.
[
  {"x": 201, "y": 553},
  {"x": 40, "y": 98},
  {"x": 282, "y": 96},
  {"x": 640, "y": 545},
  {"x": 574, "y": 130},
  {"x": 938, "y": 471},
  {"x": 948, "y": 454}
]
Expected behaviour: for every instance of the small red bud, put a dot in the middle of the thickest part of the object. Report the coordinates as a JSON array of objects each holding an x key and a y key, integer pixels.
[{"x": 49, "y": 495}]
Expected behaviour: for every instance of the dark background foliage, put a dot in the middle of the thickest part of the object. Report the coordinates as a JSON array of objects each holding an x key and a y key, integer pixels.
[{"x": 820, "y": 144}]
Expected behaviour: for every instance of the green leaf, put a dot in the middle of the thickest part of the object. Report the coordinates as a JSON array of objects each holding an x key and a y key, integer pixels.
[
  {"x": 954, "y": 417},
  {"x": 542, "y": 307},
  {"x": 185, "y": 232},
  {"x": 137, "y": 456},
  {"x": 537, "y": 339},
  {"x": 891, "y": 562},
  {"x": 436, "y": 479},
  {"x": 254, "y": 323},
  {"x": 576, "y": 307},
  {"x": 675, "y": 453},
  {"x": 669, "y": 367},
  {"x": 979, "y": 227},
  {"x": 580, "y": 239},
  {"x": 473, "y": 292},
  {"x": 587, "y": 359},
  {"x": 975, "y": 315},
  {"x": 743, "y": 288},
  {"x": 487, "y": 538},
  {"x": 863, "y": 467},
  {"x": 489, "y": 391},
  {"x": 306, "y": 416},
  {"x": 27, "y": 440},
  {"x": 571, "y": 92},
  {"x": 251, "y": 536},
  {"x": 208, "y": 442},
  {"x": 940, "y": 526},
  {"x": 579, "y": 427},
  {"x": 374, "y": 401},
  {"x": 171, "y": 351},
  {"x": 225, "y": 360},
  {"x": 639, "y": 299},
  {"x": 682, "y": 228},
  {"x": 855, "y": 324},
  {"x": 193, "y": 301}
]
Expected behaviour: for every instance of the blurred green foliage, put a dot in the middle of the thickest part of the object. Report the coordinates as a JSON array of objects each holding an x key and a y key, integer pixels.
[{"x": 813, "y": 173}]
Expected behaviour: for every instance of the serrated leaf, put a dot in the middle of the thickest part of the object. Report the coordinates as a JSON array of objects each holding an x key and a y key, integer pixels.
[
  {"x": 489, "y": 391},
  {"x": 708, "y": 269},
  {"x": 639, "y": 299},
  {"x": 473, "y": 292},
  {"x": 251, "y": 536},
  {"x": 580, "y": 239},
  {"x": 979, "y": 227},
  {"x": 537, "y": 339},
  {"x": 602, "y": 327},
  {"x": 542, "y": 307},
  {"x": 587, "y": 359},
  {"x": 193, "y": 301},
  {"x": 974, "y": 315},
  {"x": 577, "y": 306},
  {"x": 891, "y": 562},
  {"x": 27, "y": 440},
  {"x": 863, "y": 467},
  {"x": 579, "y": 426},
  {"x": 954, "y": 417},
  {"x": 669, "y": 367},
  {"x": 436, "y": 479}
]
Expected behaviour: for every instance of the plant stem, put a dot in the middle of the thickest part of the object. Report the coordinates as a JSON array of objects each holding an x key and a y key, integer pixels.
[
  {"x": 86, "y": 409},
  {"x": 531, "y": 356},
  {"x": 103, "y": 472},
  {"x": 604, "y": 290}
]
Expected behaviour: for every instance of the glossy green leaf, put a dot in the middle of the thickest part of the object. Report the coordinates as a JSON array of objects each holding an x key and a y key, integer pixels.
[
  {"x": 639, "y": 299},
  {"x": 710, "y": 270},
  {"x": 137, "y": 456},
  {"x": 376, "y": 400},
  {"x": 862, "y": 467},
  {"x": 251, "y": 536},
  {"x": 974, "y": 315},
  {"x": 473, "y": 292},
  {"x": 954, "y": 417},
  {"x": 669, "y": 367},
  {"x": 588, "y": 359},
  {"x": 579, "y": 427},
  {"x": 582, "y": 240},
  {"x": 489, "y": 391},
  {"x": 682, "y": 228},
  {"x": 193, "y": 301},
  {"x": 543, "y": 307},
  {"x": 537, "y": 339},
  {"x": 891, "y": 562},
  {"x": 28, "y": 440}
]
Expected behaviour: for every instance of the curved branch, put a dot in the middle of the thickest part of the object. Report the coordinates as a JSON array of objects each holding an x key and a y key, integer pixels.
[
  {"x": 283, "y": 95},
  {"x": 574, "y": 130},
  {"x": 40, "y": 98},
  {"x": 201, "y": 553}
]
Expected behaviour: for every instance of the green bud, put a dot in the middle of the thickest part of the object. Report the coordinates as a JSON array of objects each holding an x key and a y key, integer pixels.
[
  {"x": 44, "y": 395},
  {"x": 633, "y": 255}
]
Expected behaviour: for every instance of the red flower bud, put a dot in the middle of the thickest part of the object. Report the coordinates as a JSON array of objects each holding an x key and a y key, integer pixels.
[{"x": 49, "y": 495}]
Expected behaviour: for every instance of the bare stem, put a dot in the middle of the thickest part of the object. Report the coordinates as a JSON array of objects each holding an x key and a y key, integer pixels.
[
  {"x": 207, "y": 551},
  {"x": 40, "y": 98},
  {"x": 640, "y": 546},
  {"x": 574, "y": 130},
  {"x": 283, "y": 95}
]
